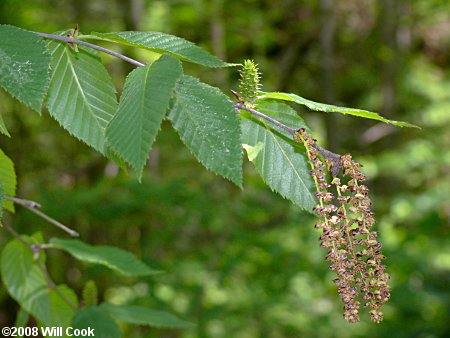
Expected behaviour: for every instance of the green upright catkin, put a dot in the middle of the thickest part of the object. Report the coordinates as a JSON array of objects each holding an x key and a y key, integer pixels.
[
  {"x": 90, "y": 294},
  {"x": 249, "y": 86}
]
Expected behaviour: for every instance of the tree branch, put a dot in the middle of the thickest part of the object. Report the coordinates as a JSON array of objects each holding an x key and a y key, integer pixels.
[
  {"x": 32, "y": 206},
  {"x": 238, "y": 105},
  {"x": 87, "y": 44}
]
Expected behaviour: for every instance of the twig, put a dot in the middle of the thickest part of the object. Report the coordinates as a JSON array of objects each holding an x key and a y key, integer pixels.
[
  {"x": 240, "y": 105},
  {"x": 31, "y": 205},
  {"x": 13, "y": 232},
  {"x": 35, "y": 250},
  {"x": 24, "y": 202},
  {"x": 334, "y": 159},
  {"x": 52, "y": 285},
  {"x": 87, "y": 44}
]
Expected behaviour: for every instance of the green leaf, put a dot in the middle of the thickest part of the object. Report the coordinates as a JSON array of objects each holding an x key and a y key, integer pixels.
[
  {"x": 81, "y": 95},
  {"x": 114, "y": 258},
  {"x": 24, "y": 65},
  {"x": 60, "y": 312},
  {"x": 208, "y": 124},
  {"x": 162, "y": 43},
  {"x": 142, "y": 108},
  {"x": 91, "y": 318},
  {"x": 277, "y": 158},
  {"x": 113, "y": 156},
  {"x": 22, "y": 318},
  {"x": 143, "y": 316},
  {"x": 8, "y": 180},
  {"x": 2, "y": 196},
  {"x": 328, "y": 108},
  {"x": 26, "y": 283},
  {"x": 3, "y": 129}
]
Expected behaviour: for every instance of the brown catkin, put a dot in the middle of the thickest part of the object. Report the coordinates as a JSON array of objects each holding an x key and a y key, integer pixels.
[{"x": 346, "y": 220}]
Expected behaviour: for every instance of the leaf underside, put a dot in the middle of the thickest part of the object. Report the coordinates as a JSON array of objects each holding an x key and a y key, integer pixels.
[
  {"x": 114, "y": 258},
  {"x": 139, "y": 315},
  {"x": 280, "y": 161},
  {"x": 163, "y": 43},
  {"x": 207, "y": 123},
  {"x": 24, "y": 66},
  {"x": 142, "y": 108},
  {"x": 27, "y": 284},
  {"x": 81, "y": 95},
  {"x": 328, "y": 108},
  {"x": 8, "y": 180}
]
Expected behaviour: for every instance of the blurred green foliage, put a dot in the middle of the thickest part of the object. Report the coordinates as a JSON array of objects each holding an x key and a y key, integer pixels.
[{"x": 248, "y": 263}]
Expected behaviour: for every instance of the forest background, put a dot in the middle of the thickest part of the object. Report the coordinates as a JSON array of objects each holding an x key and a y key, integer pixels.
[{"x": 248, "y": 263}]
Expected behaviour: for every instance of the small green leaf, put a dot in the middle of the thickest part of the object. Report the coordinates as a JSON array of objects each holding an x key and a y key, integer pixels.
[
  {"x": 24, "y": 65},
  {"x": 278, "y": 159},
  {"x": 114, "y": 258},
  {"x": 8, "y": 180},
  {"x": 252, "y": 152},
  {"x": 81, "y": 95},
  {"x": 95, "y": 321},
  {"x": 143, "y": 316},
  {"x": 162, "y": 43},
  {"x": 207, "y": 123},
  {"x": 3, "y": 129},
  {"x": 328, "y": 108},
  {"x": 142, "y": 108},
  {"x": 26, "y": 283}
]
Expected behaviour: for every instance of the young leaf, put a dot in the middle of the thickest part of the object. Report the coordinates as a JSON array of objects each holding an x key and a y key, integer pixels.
[
  {"x": 328, "y": 108},
  {"x": 8, "y": 180},
  {"x": 143, "y": 316},
  {"x": 162, "y": 43},
  {"x": 280, "y": 161},
  {"x": 91, "y": 318},
  {"x": 24, "y": 65},
  {"x": 81, "y": 95},
  {"x": 208, "y": 125},
  {"x": 3, "y": 129},
  {"x": 26, "y": 283},
  {"x": 142, "y": 108},
  {"x": 114, "y": 258}
]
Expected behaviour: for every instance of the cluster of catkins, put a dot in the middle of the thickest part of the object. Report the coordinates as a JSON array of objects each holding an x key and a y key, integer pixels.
[{"x": 346, "y": 220}]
